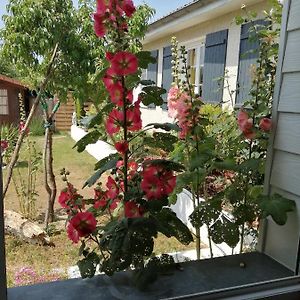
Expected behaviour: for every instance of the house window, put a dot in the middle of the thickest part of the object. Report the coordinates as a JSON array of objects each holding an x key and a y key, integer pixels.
[
  {"x": 195, "y": 60},
  {"x": 3, "y": 102}
]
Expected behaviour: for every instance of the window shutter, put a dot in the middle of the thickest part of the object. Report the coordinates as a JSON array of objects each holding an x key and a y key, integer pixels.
[
  {"x": 214, "y": 65},
  {"x": 152, "y": 68},
  {"x": 167, "y": 77},
  {"x": 248, "y": 57}
]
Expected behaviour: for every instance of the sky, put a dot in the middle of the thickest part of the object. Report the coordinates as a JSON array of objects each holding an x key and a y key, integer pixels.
[{"x": 162, "y": 7}]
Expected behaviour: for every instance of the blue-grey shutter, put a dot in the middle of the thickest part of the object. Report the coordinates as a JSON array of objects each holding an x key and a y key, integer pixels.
[
  {"x": 214, "y": 66},
  {"x": 152, "y": 68},
  {"x": 167, "y": 77},
  {"x": 249, "y": 47},
  {"x": 152, "y": 72}
]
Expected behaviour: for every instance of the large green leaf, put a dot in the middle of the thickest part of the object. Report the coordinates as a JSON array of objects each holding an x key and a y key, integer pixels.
[
  {"x": 87, "y": 266},
  {"x": 161, "y": 140},
  {"x": 167, "y": 164},
  {"x": 170, "y": 225},
  {"x": 101, "y": 166},
  {"x": 277, "y": 207},
  {"x": 164, "y": 126},
  {"x": 152, "y": 95},
  {"x": 90, "y": 138},
  {"x": 145, "y": 58}
]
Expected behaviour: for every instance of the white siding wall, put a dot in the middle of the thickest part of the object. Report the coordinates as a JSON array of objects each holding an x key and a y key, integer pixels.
[{"x": 283, "y": 165}]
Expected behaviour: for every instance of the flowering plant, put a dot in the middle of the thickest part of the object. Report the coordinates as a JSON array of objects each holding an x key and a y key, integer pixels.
[{"x": 134, "y": 196}]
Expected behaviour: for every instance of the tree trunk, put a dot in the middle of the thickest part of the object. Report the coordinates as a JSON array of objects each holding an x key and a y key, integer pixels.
[{"x": 15, "y": 155}]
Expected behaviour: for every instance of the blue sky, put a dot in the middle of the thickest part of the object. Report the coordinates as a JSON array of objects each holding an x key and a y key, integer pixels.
[{"x": 162, "y": 7}]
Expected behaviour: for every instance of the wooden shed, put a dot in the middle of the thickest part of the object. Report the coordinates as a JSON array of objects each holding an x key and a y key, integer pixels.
[{"x": 9, "y": 101}]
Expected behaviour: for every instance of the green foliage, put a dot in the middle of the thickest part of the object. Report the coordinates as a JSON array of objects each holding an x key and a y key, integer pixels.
[
  {"x": 87, "y": 266},
  {"x": 277, "y": 207},
  {"x": 36, "y": 126},
  {"x": 102, "y": 166},
  {"x": 9, "y": 133},
  {"x": 25, "y": 186},
  {"x": 152, "y": 95}
]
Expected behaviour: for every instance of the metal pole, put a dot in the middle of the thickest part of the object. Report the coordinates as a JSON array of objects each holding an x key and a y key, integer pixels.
[{"x": 3, "y": 289}]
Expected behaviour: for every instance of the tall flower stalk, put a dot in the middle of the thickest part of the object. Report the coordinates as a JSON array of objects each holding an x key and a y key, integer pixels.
[{"x": 134, "y": 195}]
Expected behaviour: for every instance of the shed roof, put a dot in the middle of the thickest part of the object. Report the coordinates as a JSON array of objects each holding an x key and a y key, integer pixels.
[{"x": 12, "y": 81}]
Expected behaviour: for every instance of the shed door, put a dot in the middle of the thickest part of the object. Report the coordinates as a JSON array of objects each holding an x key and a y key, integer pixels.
[
  {"x": 249, "y": 48},
  {"x": 214, "y": 66}
]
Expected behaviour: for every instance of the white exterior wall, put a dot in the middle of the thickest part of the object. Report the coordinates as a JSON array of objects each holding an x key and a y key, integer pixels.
[
  {"x": 197, "y": 33},
  {"x": 283, "y": 160}
]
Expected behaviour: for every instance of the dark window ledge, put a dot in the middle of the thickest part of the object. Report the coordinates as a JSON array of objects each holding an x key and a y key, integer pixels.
[{"x": 205, "y": 279}]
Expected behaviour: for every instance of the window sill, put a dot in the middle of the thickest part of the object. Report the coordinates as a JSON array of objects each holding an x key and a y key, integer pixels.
[{"x": 215, "y": 278}]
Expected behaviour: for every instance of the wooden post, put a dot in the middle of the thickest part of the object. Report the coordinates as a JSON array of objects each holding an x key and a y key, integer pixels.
[{"x": 3, "y": 289}]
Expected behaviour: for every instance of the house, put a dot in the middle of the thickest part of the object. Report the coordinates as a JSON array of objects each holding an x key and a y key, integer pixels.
[
  {"x": 214, "y": 43},
  {"x": 9, "y": 99},
  {"x": 283, "y": 159}
]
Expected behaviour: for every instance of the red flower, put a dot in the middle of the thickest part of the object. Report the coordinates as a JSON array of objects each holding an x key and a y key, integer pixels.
[
  {"x": 152, "y": 186},
  {"x": 113, "y": 189},
  {"x": 99, "y": 25},
  {"x": 134, "y": 120},
  {"x": 100, "y": 198},
  {"x": 124, "y": 63},
  {"x": 22, "y": 127},
  {"x": 109, "y": 79},
  {"x": 84, "y": 223},
  {"x": 169, "y": 182},
  {"x": 132, "y": 210},
  {"x": 113, "y": 121},
  {"x": 114, "y": 204},
  {"x": 265, "y": 124},
  {"x": 122, "y": 147},
  {"x": 69, "y": 198},
  {"x": 103, "y": 6},
  {"x": 128, "y": 7},
  {"x": 72, "y": 233},
  {"x": 4, "y": 145},
  {"x": 116, "y": 92}
]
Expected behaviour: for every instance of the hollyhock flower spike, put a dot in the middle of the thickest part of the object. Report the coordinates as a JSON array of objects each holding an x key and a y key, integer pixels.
[
  {"x": 113, "y": 189},
  {"x": 99, "y": 25},
  {"x": 122, "y": 147}
]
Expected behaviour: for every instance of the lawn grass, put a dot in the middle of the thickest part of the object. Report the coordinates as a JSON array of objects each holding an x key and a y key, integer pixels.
[{"x": 43, "y": 260}]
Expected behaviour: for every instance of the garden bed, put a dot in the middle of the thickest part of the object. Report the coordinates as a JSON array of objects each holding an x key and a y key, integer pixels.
[{"x": 195, "y": 277}]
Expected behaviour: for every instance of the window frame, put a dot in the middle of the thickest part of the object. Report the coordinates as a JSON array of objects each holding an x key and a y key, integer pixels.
[{"x": 5, "y": 105}]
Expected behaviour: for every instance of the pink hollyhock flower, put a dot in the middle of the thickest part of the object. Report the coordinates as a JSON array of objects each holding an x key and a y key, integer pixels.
[
  {"x": 99, "y": 25},
  {"x": 113, "y": 189},
  {"x": 132, "y": 210},
  {"x": 124, "y": 63},
  {"x": 84, "y": 223},
  {"x": 265, "y": 124},
  {"x": 128, "y": 7},
  {"x": 173, "y": 96},
  {"x": 4, "y": 145},
  {"x": 245, "y": 124},
  {"x": 152, "y": 186},
  {"x": 122, "y": 147}
]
